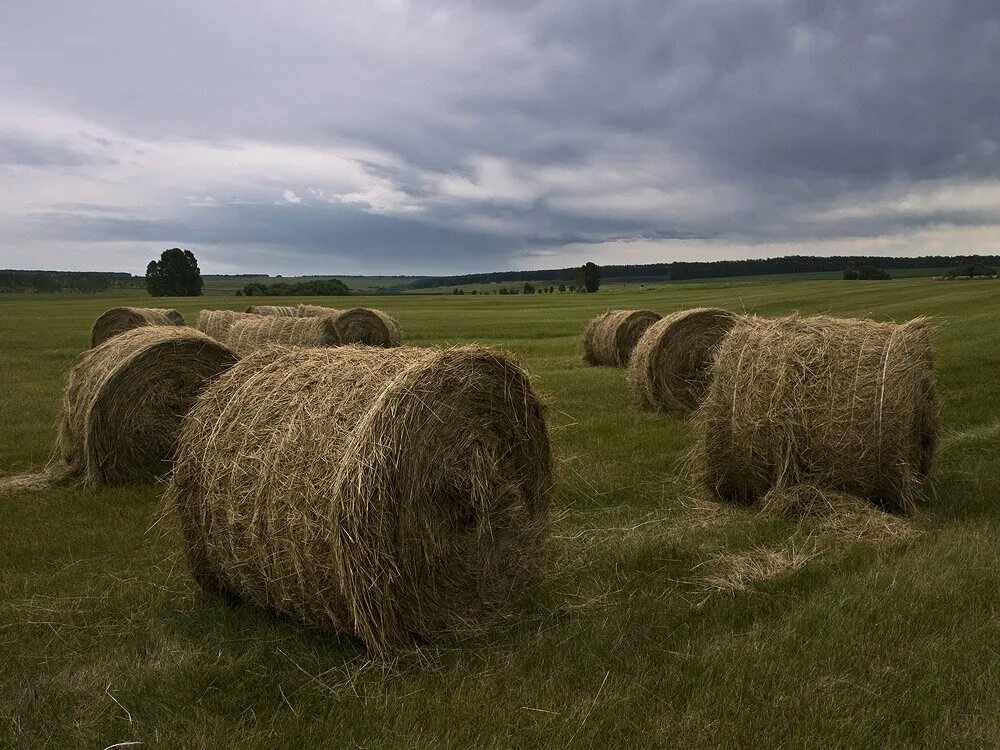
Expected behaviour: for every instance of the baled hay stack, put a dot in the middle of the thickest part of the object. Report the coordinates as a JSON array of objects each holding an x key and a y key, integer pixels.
[
  {"x": 216, "y": 323},
  {"x": 671, "y": 365},
  {"x": 255, "y": 332},
  {"x": 393, "y": 494},
  {"x": 125, "y": 400},
  {"x": 611, "y": 337},
  {"x": 360, "y": 325},
  {"x": 285, "y": 311},
  {"x": 120, "y": 319},
  {"x": 844, "y": 405}
]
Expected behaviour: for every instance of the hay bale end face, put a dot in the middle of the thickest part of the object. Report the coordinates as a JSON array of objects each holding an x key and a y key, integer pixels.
[
  {"x": 393, "y": 494},
  {"x": 124, "y": 402},
  {"x": 285, "y": 311},
  {"x": 120, "y": 319},
  {"x": 249, "y": 334},
  {"x": 844, "y": 405},
  {"x": 671, "y": 365},
  {"x": 216, "y": 323},
  {"x": 363, "y": 325},
  {"x": 610, "y": 338}
]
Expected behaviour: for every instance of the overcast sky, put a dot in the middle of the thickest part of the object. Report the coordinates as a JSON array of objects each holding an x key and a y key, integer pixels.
[{"x": 427, "y": 137}]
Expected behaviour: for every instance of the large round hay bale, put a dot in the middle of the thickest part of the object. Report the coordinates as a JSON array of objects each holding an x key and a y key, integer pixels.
[
  {"x": 845, "y": 405},
  {"x": 611, "y": 337},
  {"x": 285, "y": 311},
  {"x": 670, "y": 367},
  {"x": 120, "y": 319},
  {"x": 125, "y": 399},
  {"x": 216, "y": 323},
  {"x": 255, "y": 332},
  {"x": 360, "y": 325},
  {"x": 393, "y": 494}
]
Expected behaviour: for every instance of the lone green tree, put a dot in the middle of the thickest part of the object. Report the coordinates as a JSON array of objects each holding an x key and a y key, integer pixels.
[
  {"x": 175, "y": 274},
  {"x": 590, "y": 277}
]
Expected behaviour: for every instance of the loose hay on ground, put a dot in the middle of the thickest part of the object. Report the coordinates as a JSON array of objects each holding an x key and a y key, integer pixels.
[
  {"x": 125, "y": 399},
  {"x": 845, "y": 405},
  {"x": 671, "y": 364},
  {"x": 610, "y": 338},
  {"x": 120, "y": 319},
  {"x": 360, "y": 325},
  {"x": 390, "y": 493}
]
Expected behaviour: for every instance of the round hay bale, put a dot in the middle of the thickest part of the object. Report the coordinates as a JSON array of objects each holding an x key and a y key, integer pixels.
[
  {"x": 360, "y": 325},
  {"x": 247, "y": 335},
  {"x": 393, "y": 494},
  {"x": 216, "y": 323},
  {"x": 125, "y": 399},
  {"x": 844, "y": 405},
  {"x": 671, "y": 365},
  {"x": 120, "y": 319},
  {"x": 611, "y": 337},
  {"x": 284, "y": 311}
]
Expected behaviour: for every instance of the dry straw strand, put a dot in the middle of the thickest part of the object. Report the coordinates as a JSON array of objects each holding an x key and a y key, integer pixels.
[
  {"x": 284, "y": 311},
  {"x": 610, "y": 338},
  {"x": 393, "y": 494},
  {"x": 249, "y": 334},
  {"x": 125, "y": 399},
  {"x": 844, "y": 405},
  {"x": 216, "y": 323},
  {"x": 120, "y": 319},
  {"x": 360, "y": 325},
  {"x": 671, "y": 364}
]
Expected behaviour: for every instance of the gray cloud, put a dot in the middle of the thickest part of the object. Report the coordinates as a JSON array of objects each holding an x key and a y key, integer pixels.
[{"x": 479, "y": 131}]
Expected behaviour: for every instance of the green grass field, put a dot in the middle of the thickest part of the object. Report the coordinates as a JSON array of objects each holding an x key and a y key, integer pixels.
[{"x": 104, "y": 638}]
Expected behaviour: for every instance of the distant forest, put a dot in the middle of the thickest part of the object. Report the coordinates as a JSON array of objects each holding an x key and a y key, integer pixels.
[
  {"x": 682, "y": 271},
  {"x": 64, "y": 281}
]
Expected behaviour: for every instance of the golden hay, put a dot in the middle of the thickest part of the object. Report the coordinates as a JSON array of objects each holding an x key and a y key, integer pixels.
[
  {"x": 360, "y": 325},
  {"x": 125, "y": 399},
  {"x": 670, "y": 367},
  {"x": 836, "y": 513},
  {"x": 216, "y": 323},
  {"x": 845, "y": 405},
  {"x": 611, "y": 337},
  {"x": 248, "y": 335},
  {"x": 120, "y": 319},
  {"x": 390, "y": 493},
  {"x": 285, "y": 311}
]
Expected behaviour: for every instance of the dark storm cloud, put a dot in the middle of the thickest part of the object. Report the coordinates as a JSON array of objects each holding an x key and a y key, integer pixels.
[{"x": 499, "y": 126}]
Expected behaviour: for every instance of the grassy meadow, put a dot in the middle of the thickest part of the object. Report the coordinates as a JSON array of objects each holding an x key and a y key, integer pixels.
[{"x": 628, "y": 641}]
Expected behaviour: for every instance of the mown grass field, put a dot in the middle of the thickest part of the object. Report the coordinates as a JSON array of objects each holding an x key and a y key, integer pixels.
[{"x": 104, "y": 638}]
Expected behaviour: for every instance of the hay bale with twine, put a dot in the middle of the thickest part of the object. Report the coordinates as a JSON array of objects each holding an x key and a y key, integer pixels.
[
  {"x": 255, "y": 332},
  {"x": 285, "y": 311},
  {"x": 360, "y": 325},
  {"x": 670, "y": 367},
  {"x": 120, "y": 319},
  {"x": 844, "y": 405},
  {"x": 124, "y": 402},
  {"x": 393, "y": 494},
  {"x": 216, "y": 323},
  {"x": 611, "y": 337}
]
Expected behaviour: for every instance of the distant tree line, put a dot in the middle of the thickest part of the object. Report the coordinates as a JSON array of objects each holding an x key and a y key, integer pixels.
[
  {"x": 314, "y": 288},
  {"x": 866, "y": 273},
  {"x": 681, "y": 271},
  {"x": 24, "y": 282}
]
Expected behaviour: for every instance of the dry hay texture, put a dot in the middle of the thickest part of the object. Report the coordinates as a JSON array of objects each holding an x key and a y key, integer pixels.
[
  {"x": 216, "y": 323},
  {"x": 124, "y": 402},
  {"x": 120, "y": 319},
  {"x": 843, "y": 405},
  {"x": 611, "y": 337},
  {"x": 393, "y": 494},
  {"x": 249, "y": 334},
  {"x": 671, "y": 366},
  {"x": 285, "y": 311},
  {"x": 360, "y": 325}
]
